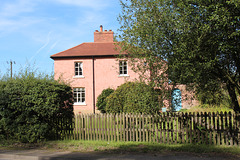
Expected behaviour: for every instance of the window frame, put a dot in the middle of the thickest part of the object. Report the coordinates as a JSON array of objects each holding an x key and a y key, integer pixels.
[
  {"x": 79, "y": 96},
  {"x": 122, "y": 70},
  {"x": 78, "y": 69}
]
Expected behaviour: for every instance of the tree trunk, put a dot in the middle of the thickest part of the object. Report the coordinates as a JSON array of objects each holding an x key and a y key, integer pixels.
[{"x": 233, "y": 96}]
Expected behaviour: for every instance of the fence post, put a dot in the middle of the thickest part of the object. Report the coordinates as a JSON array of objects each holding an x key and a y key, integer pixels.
[
  {"x": 175, "y": 127},
  {"x": 160, "y": 127},
  {"x": 119, "y": 127},
  {"x": 180, "y": 127},
  {"x": 236, "y": 125},
  {"x": 210, "y": 128},
  {"x": 190, "y": 127},
  {"x": 206, "y": 128},
  {"x": 231, "y": 129}
]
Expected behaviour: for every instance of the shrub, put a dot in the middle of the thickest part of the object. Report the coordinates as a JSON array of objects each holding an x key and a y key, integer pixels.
[
  {"x": 30, "y": 106},
  {"x": 101, "y": 100},
  {"x": 133, "y": 97},
  {"x": 214, "y": 95}
]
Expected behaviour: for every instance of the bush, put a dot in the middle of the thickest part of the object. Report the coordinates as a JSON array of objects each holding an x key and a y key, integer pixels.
[
  {"x": 133, "y": 97},
  {"x": 30, "y": 106},
  {"x": 101, "y": 100},
  {"x": 214, "y": 95}
]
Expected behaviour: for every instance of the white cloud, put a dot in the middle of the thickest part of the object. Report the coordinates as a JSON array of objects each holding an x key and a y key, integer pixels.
[
  {"x": 11, "y": 15},
  {"x": 52, "y": 46},
  {"x": 91, "y": 18},
  {"x": 14, "y": 8},
  {"x": 25, "y": 26},
  {"x": 41, "y": 48},
  {"x": 95, "y": 4},
  {"x": 17, "y": 15},
  {"x": 9, "y": 25}
]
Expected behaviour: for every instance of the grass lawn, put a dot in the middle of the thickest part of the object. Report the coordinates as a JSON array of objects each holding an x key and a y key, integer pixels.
[
  {"x": 208, "y": 108},
  {"x": 121, "y": 147}
]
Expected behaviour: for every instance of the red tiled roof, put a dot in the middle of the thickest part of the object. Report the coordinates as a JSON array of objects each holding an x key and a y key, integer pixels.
[{"x": 89, "y": 49}]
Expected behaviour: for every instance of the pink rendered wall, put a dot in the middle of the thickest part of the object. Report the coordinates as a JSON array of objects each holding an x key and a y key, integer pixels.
[
  {"x": 106, "y": 75},
  {"x": 188, "y": 97}
]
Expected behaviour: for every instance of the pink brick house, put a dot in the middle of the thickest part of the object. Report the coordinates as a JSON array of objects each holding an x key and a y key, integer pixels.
[{"x": 91, "y": 67}]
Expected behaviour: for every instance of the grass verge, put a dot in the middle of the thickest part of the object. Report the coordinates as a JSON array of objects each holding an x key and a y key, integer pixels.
[
  {"x": 121, "y": 147},
  {"x": 208, "y": 108}
]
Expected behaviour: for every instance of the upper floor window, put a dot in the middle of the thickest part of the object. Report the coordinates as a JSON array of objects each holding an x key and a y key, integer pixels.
[
  {"x": 79, "y": 95},
  {"x": 78, "y": 69},
  {"x": 123, "y": 68}
]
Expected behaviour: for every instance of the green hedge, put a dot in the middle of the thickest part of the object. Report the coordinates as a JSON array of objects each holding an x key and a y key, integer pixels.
[
  {"x": 101, "y": 100},
  {"x": 133, "y": 97},
  {"x": 30, "y": 107}
]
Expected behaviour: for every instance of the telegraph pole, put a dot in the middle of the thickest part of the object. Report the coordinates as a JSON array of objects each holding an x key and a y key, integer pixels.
[{"x": 11, "y": 68}]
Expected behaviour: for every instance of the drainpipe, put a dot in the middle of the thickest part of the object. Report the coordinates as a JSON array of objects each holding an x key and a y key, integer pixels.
[{"x": 93, "y": 85}]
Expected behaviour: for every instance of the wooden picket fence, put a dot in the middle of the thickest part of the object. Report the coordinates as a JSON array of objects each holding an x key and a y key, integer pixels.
[{"x": 170, "y": 128}]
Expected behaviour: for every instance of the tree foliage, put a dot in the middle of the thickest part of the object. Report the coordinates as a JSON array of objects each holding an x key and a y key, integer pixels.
[
  {"x": 199, "y": 39},
  {"x": 145, "y": 42},
  {"x": 101, "y": 100},
  {"x": 133, "y": 97},
  {"x": 30, "y": 106}
]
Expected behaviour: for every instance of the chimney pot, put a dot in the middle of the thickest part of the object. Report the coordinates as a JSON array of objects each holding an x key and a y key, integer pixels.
[{"x": 100, "y": 36}]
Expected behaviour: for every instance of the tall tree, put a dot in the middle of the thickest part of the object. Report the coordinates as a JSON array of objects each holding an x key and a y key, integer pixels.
[
  {"x": 147, "y": 44},
  {"x": 200, "y": 40}
]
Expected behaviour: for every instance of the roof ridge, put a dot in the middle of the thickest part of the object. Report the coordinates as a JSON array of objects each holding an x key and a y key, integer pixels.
[
  {"x": 67, "y": 49},
  {"x": 89, "y": 49},
  {"x": 99, "y": 42}
]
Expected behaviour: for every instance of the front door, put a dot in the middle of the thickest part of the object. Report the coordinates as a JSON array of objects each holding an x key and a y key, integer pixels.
[{"x": 176, "y": 100}]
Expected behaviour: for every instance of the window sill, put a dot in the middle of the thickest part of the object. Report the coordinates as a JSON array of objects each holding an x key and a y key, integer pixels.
[
  {"x": 78, "y": 77},
  {"x": 123, "y": 75},
  {"x": 79, "y": 104}
]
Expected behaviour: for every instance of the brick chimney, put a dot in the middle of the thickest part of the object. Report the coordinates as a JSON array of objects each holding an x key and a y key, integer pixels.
[{"x": 103, "y": 36}]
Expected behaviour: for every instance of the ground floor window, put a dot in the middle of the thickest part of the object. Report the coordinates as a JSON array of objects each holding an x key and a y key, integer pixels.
[{"x": 79, "y": 95}]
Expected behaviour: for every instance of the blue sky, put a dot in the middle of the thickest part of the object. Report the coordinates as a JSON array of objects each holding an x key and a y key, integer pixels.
[{"x": 32, "y": 30}]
